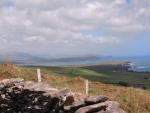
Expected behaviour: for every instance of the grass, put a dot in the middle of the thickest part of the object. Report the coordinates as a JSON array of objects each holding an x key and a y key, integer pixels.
[
  {"x": 98, "y": 72},
  {"x": 132, "y": 100}
]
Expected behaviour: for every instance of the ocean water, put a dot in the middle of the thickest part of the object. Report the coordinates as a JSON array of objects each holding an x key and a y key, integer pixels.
[{"x": 138, "y": 63}]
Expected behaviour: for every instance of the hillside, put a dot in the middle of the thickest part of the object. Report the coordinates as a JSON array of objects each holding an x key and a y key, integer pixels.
[
  {"x": 79, "y": 58},
  {"x": 75, "y": 59},
  {"x": 132, "y": 100},
  {"x": 26, "y": 58},
  {"x": 19, "y": 58}
]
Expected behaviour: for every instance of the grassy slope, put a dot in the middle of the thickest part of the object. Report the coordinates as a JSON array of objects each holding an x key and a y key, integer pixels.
[
  {"x": 101, "y": 72},
  {"x": 131, "y": 100}
]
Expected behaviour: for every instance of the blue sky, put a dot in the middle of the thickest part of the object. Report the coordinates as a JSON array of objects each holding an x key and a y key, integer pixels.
[
  {"x": 9, "y": 4},
  {"x": 52, "y": 27},
  {"x": 128, "y": 1}
]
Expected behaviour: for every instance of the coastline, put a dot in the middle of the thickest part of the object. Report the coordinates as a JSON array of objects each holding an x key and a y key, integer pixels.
[
  {"x": 137, "y": 69},
  {"x": 134, "y": 64},
  {"x": 127, "y": 64}
]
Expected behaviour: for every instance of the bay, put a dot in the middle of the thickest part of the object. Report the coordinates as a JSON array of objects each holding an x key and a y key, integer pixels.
[{"x": 138, "y": 63}]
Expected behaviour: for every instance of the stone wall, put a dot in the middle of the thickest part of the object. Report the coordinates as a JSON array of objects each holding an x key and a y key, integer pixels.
[{"x": 17, "y": 96}]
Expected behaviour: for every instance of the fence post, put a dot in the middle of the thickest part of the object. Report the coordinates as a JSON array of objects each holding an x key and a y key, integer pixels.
[
  {"x": 39, "y": 75},
  {"x": 87, "y": 87}
]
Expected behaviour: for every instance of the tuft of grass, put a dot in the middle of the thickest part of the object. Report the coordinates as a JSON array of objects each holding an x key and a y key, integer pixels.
[{"x": 12, "y": 71}]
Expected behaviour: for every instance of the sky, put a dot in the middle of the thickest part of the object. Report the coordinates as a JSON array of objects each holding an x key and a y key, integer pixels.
[{"x": 75, "y": 27}]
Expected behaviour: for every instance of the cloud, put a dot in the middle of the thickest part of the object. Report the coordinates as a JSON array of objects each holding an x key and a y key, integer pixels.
[
  {"x": 103, "y": 40},
  {"x": 57, "y": 24},
  {"x": 35, "y": 39},
  {"x": 119, "y": 1}
]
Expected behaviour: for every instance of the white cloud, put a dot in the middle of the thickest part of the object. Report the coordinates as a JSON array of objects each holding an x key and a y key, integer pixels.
[
  {"x": 119, "y": 21},
  {"x": 55, "y": 22},
  {"x": 120, "y": 1},
  {"x": 35, "y": 39},
  {"x": 104, "y": 40}
]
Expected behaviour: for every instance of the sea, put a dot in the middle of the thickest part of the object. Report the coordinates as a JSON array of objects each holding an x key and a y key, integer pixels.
[{"x": 138, "y": 63}]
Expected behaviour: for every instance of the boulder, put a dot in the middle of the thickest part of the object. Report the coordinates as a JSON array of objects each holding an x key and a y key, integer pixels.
[
  {"x": 76, "y": 105},
  {"x": 60, "y": 98},
  {"x": 96, "y": 99},
  {"x": 11, "y": 81},
  {"x": 112, "y": 111},
  {"x": 76, "y": 97},
  {"x": 92, "y": 108}
]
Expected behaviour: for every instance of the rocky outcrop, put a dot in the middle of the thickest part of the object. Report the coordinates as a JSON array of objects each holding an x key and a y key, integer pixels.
[{"x": 17, "y": 96}]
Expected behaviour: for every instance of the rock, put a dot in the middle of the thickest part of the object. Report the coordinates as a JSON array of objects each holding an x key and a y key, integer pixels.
[
  {"x": 60, "y": 98},
  {"x": 11, "y": 81},
  {"x": 76, "y": 97},
  {"x": 4, "y": 101},
  {"x": 37, "y": 86},
  {"x": 79, "y": 97},
  {"x": 92, "y": 108},
  {"x": 76, "y": 105},
  {"x": 17, "y": 96},
  {"x": 112, "y": 111},
  {"x": 50, "y": 95},
  {"x": 62, "y": 111},
  {"x": 95, "y": 99},
  {"x": 112, "y": 107},
  {"x": 2, "y": 96},
  {"x": 112, "y": 104},
  {"x": 68, "y": 102}
]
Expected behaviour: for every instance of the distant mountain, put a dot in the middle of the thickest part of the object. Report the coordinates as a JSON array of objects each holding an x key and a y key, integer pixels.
[
  {"x": 18, "y": 56},
  {"x": 25, "y": 58},
  {"x": 79, "y": 58}
]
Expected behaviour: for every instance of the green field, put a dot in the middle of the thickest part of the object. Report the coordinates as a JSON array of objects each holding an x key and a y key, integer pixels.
[{"x": 110, "y": 73}]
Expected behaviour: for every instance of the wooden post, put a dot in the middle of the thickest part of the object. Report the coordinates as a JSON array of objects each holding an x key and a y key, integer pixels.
[
  {"x": 87, "y": 87},
  {"x": 39, "y": 75}
]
